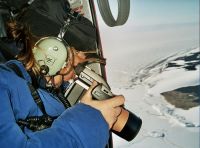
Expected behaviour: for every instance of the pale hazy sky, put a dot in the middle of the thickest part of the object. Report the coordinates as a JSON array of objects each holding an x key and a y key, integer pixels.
[
  {"x": 155, "y": 29},
  {"x": 164, "y": 11},
  {"x": 151, "y": 12}
]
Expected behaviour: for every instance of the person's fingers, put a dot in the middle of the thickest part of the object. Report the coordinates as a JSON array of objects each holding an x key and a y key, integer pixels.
[
  {"x": 89, "y": 91},
  {"x": 116, "y": 101},
  {"x": 118, "y": 111},
  {"x": 88, "y": 96},
  {"x": 94, "y": 84}
]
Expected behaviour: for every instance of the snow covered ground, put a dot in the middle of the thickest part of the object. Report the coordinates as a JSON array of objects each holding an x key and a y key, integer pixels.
[
  {"x": 153, "y": 56},
  {"x": 164, "y": 125}
]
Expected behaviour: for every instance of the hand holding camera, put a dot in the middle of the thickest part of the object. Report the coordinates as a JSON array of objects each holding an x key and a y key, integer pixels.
[
  {"x": 127, "y": 124},
  {"x": 110, "y": 108}
]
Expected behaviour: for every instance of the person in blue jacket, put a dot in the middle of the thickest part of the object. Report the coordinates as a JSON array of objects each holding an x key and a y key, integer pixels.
[{"x": 32, "y": 115}]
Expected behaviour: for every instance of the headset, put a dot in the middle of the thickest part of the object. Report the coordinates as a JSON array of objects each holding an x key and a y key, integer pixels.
[{"x": 51, "y": 54}]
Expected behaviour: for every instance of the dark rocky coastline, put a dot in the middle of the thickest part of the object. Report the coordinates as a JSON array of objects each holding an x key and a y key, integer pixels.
[{"x": 185, "y": 97}]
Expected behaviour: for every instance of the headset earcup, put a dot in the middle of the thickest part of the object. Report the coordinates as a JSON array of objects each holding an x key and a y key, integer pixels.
[
  {"x": 44, "y": 69},
  {"x": 46, "y": 52}
]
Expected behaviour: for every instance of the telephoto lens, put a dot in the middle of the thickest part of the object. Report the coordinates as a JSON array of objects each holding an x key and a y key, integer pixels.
[{"x": 128, "y": 124}]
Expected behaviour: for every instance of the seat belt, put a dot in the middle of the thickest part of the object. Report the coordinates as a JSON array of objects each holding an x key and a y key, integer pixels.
[{"x": 123, "y": 12}]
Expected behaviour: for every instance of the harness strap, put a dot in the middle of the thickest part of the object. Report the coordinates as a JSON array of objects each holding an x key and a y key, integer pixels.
[
  {"x": 37, "y": 98},
  {"x": 16, "y": 69},
  {"x": 34, "y": 123}
]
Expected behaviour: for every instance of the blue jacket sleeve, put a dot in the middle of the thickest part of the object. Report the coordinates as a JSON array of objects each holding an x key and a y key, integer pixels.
[{"x": 80, "y": 126}]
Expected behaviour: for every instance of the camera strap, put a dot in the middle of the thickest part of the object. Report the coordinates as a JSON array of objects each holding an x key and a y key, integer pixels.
[{"x": 34, "y": 123}]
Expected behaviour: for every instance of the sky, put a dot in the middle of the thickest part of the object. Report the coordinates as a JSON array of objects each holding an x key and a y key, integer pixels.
[
  {"x": 151, "y": 12},
  {"x": 156, "y": 28}
]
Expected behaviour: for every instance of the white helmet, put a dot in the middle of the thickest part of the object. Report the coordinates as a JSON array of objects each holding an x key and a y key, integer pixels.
[{"x": 51, "y": 54}]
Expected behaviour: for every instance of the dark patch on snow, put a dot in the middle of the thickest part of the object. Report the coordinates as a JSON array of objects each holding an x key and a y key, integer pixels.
[{"x": 185, "y": 97}]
